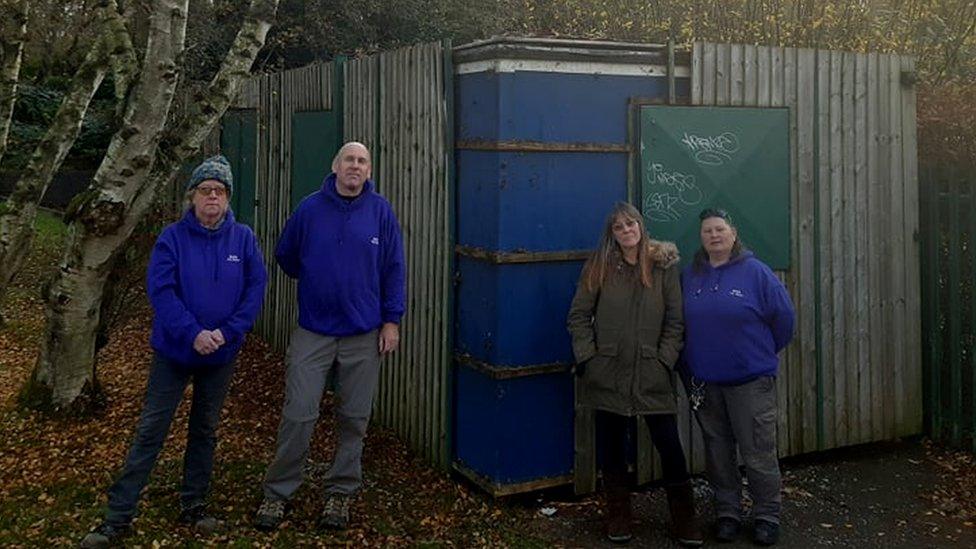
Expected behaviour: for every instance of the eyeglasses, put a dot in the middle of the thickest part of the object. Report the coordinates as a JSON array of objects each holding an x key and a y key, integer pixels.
[
  {"x": 714, "y": 212},
  {"x": 207, "y": 191}
]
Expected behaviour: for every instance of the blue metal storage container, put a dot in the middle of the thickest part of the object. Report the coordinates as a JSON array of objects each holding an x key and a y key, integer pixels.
[{"x": 542, "y": 153}]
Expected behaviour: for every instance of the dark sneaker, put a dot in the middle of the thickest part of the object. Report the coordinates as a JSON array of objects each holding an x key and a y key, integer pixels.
[
  {"x": 105, "y": 535},
  {"x": 335, "y": 514},
  {"x": 270, "y": 514},
  {"x": 196, "y": 517},
  {"x": 765, "y": 532},
  {"x": 727, "y": 529}
]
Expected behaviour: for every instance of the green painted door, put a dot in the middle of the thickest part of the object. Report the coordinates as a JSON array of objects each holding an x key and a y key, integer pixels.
[
  {"x": 733, "y": 158},
  {"x": 314, "y": 141},
  {"x": 238, "y": 142}
]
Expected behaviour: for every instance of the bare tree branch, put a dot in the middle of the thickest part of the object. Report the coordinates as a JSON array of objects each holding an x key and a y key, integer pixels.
[
  {"x": 18, "y": 212},
  {"x": 183, "y": 141},
  {"x": 65, "y": 367},
  {"x": 125, "y": 66},
  {"x": 11, "y": 52}
]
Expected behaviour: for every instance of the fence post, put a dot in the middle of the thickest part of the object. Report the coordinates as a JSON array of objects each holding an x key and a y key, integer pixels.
[{"x": 932, "y": 195}]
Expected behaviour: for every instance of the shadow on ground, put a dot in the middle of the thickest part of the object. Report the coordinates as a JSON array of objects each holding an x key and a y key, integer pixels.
[{"x": 876, "y": 495}]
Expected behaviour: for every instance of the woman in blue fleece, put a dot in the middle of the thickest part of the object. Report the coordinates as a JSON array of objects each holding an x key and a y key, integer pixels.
[
  {"x": 738, "y": 316},
  {"x": 206, "y": 282}
]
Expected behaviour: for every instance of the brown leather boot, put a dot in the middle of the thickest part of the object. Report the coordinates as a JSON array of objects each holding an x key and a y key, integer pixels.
[
  {"x": 619, "y": 516},
  {"x": 684, "y": 523}
]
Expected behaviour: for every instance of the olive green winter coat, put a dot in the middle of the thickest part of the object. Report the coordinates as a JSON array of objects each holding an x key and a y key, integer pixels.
[{"x": 629, "y": 338}]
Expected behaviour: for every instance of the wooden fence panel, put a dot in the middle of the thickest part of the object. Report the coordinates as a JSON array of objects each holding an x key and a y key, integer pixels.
[
  {"x": 853, "y": 372},
  {"x": 397, "y": 103}
]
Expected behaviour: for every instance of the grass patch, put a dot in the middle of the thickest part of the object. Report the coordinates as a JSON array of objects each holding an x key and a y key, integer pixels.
[
  {"x": 516, "y": 539},
  {"x": 50, "y": 229},
  {"x": 51, "y": 513}
]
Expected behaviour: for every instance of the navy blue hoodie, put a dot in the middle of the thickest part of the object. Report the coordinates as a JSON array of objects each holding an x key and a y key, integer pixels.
[
  {"x": 348, "y": 258},
  {"x": 738, "y": 316},
  {"x": 202, "y": 279}
]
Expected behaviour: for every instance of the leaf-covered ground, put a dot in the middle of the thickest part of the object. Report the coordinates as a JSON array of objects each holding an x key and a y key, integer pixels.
[{"x": 54, "y": 472}]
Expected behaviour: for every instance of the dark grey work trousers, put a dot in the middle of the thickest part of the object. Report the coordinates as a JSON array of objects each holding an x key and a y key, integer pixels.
[
  {"x": 742, "y": 416},
  {"x": 311, "y": 358}
]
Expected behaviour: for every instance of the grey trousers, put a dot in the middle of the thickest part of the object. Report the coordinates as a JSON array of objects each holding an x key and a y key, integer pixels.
[
  {"x": 743, "y": 415},
  {"x": 310, "y": 358}
]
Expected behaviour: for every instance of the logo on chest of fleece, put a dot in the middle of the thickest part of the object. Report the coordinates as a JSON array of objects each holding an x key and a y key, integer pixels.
[
  {"x": 232, "y": 258},
  {"x": 375, "y": 241},
  {"x": 735, "y": 292}
]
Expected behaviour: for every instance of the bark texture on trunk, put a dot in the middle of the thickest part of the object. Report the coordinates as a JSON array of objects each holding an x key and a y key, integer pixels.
[
  {"x": 182, "y": 142},
  {"x": 14, "y": 12},
  {"x": 125, "y": 187},
  {"x": 18, "y": 212},
  {"x": 65, "y": 368},
  {"x": 125, "y": 65}
]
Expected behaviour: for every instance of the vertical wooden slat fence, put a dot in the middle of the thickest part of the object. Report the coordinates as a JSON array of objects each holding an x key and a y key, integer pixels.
[
  {"x": 397, "y": 104},
  {"x": 948, "y": 219},
  {"x": 276, "y": 97},
  {"x": 853, "y": 372},
  {"x": 406, "y": 121}
]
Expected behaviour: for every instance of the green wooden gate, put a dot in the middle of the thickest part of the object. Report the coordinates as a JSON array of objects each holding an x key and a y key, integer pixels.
[
  {"x": 948, "y": 261},
  {"x": 314, "y": 141},
  {"x": 238, "y": 142}
]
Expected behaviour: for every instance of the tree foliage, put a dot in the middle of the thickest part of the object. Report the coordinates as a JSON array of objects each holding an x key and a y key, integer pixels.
[
  {"x": 939, "y": 32},
  {"x": 58, "y": 36}
]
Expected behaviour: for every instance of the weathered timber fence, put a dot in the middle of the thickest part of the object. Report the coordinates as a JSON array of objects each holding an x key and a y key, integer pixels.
[
  {"x": 275, "y": 98},
  {"x": 397, "y": 103},
  {"x": 853, "y": 374}
]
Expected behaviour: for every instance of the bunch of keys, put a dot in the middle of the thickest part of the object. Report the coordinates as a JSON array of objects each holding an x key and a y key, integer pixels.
[{"x": 697, "y": 396}]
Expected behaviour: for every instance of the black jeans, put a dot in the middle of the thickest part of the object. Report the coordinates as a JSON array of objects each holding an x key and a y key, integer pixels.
[
  {"x": 664, "y": 434},
  {"x": 163, "y": 394}
]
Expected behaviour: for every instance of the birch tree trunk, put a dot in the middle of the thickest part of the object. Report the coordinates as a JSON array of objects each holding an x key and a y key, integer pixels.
[
  {"x": 124, "y": 188},
  {"x": 65, "y": 368},
  {"x": 11, "y": 52},
  {"x": 17, "y": 214},
  {"x": 183, "y": 141}
]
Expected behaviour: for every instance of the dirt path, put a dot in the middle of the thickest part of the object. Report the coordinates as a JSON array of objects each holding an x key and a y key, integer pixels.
[{"x": 880, "y": 495}]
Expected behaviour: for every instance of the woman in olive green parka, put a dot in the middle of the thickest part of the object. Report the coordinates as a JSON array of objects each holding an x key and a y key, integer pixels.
[{"x": 626, "y": 323}]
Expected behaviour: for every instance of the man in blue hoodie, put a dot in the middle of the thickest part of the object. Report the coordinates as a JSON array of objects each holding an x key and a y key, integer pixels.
[
  {"x": 343, "y": 244},
  {"x": 206, "y": 282}
]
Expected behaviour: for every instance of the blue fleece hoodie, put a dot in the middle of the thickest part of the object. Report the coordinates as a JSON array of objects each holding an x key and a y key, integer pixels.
[
  {"x": 348, "y": 258},
  {"x": 737, "y": 317},
  {"x": 202, "y": 279}
]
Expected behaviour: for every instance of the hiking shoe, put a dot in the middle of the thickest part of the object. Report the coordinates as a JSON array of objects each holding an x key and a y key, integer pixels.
[
  {"x": 765, "y": 532},
  {"x": 270, "y": 514},
  {"x": 196, "y": 517},
  {"x": 335, "y": 514},
  {"x": 105, "y": 535},
  {"x": 727, "y": 529}
]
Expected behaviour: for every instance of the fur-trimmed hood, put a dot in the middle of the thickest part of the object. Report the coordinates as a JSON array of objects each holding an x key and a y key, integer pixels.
[{"x": 664, "y": 253}]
